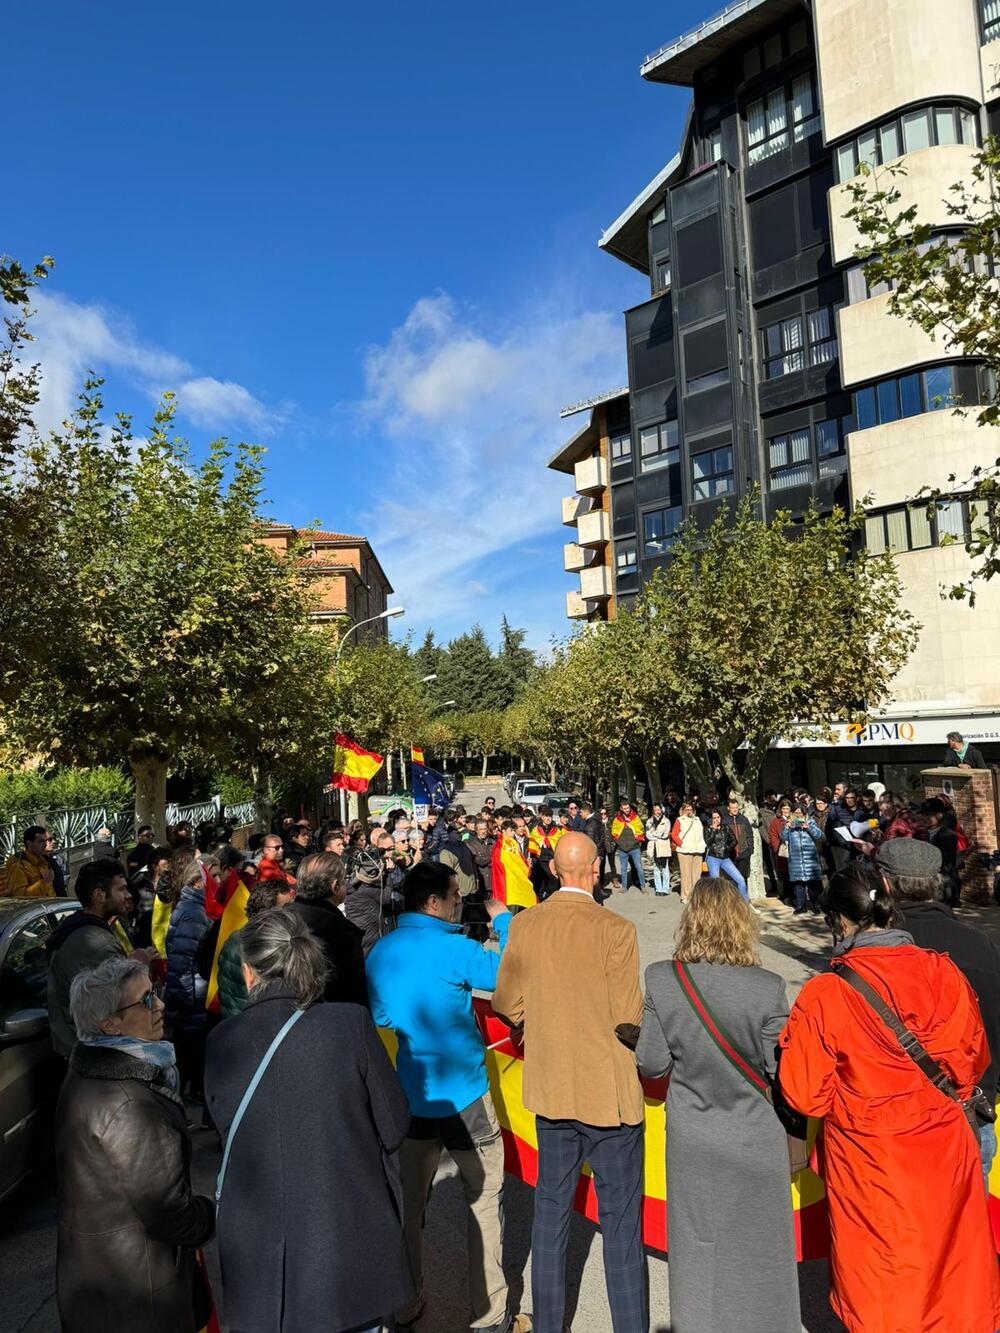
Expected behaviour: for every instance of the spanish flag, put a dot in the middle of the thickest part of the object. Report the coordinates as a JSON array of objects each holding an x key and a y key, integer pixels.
[
  {"x": 416, "y": 755},
  {"x": 353, "y": 768},
  {"x": 233, "y": 918},
  {"x": 510, "y": 880}
]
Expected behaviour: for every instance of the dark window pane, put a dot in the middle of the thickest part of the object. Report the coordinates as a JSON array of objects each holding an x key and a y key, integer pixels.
[
  {"x": 909, "y": 396},
  {"x": 812, "y": 207},
  {"x": 699, "y": 251},
  {"x": 888, "y": 407},
  {"x": 772, "y": 227},
  {"x": 938, "y": 387},
  {"x": 864, "y": 408},
  {"x": 706, "y": 356}
]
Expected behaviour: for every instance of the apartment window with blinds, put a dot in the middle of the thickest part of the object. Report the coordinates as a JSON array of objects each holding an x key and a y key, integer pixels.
[
  {"x": 712, "y": 474},
  {"x": 925, "y": 127},
  {"x": 662, "y": 275},
  {"x": 860, "y": 289},
  {"x": 658, "y": 446},
  {"x": 790, "y": 459},
  {"x": 794, "y": 457},
  {"x": 990, "y": 12},
  {"x": 916, "y": 527},
  {"x": 660, "y": 528},
  {"x": 792, "y": 344},
  {"x": 620, "y": 447},
  {"x": 625, "y": 559},
  {"x": 787, "y": 114}
]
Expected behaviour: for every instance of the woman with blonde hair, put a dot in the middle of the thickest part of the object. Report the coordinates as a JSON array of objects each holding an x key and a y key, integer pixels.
[
  {"x": 712, "y": 1020},
  {"x": 688, "y": 836}
]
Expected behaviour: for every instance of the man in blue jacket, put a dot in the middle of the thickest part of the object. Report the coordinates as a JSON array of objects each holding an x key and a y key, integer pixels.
[{"x": 420, "y": 981}]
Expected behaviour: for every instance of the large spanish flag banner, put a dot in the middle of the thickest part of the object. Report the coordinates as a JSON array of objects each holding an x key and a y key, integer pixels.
[
  {"x": 504, "y": 1065},
  {"x": 510, "y": 880},
  {"x": 353, "y": 768}
]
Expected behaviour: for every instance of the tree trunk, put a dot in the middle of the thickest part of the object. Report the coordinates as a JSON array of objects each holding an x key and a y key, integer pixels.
[
  {"x": 486, "y": 761},
  {"x": 630, "y": 781},
  {"x": 523, "y": 762},
  {"x": 652, "y": 762},
  {"x": 698, "y": 774},
  {"x": 149, "y": 772},
  {"x": 552, "y": 771},
  {"x": 263, "y": 799}
]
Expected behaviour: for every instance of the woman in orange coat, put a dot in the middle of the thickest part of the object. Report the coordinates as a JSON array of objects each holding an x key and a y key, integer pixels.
[{"x": 911, "y": 1243}]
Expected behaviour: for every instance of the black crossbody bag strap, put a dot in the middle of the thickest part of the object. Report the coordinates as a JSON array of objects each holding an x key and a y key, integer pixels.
[{"x": 909, "y": 1042}]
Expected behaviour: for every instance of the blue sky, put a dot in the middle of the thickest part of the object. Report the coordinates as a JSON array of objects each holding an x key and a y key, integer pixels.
[{"x": 366, "y": 240}]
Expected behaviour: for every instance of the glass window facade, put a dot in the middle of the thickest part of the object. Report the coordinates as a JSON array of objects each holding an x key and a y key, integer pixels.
[
  {"x": 712, "y": 474},
  {"x": 791, "y": 344},
  {"x": 917, "y": 527},
  {"x": 906, "y": 396},
  {"x": 620, "y": 446},
  {"x": 922, "y": 128},
  {"x": 658, "y": 446},
  {"x": 785, "y": 114},
  {"x": 797, "y": 457},
  {"x": 659, "y": 530}
]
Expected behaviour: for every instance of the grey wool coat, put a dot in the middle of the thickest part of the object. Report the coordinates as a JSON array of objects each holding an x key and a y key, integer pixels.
[{"x": 730, "y": 1231}]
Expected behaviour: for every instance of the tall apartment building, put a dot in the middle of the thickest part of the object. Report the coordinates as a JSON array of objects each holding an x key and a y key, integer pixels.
[
  {"x": 352, "y": 584},
  {"x": 761, "y": 358},
  {"x": 586, "y": 457}
]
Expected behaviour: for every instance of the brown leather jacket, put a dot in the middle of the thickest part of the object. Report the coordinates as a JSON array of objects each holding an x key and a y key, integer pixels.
[{"x": 128, "y": 1220}]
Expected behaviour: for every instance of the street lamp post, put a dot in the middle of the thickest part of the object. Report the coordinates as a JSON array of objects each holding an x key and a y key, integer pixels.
[{"x": 387, "y": 614}]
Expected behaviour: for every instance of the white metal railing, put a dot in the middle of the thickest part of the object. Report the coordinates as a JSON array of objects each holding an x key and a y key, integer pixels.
[{"x": 78, "y": 828}]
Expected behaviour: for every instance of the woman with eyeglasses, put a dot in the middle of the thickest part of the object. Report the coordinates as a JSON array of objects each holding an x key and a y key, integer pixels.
[{"x": 128, "y": 1220}]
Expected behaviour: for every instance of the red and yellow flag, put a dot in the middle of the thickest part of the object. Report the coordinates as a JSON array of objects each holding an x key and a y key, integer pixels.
[
  {"x": 353, "y": 767},
  {"x": 510, "y": 880},
  {"x": 504, "y": 1066},
  {"x": 417, "y": 755},
  {"x": 233, "y": 918}
]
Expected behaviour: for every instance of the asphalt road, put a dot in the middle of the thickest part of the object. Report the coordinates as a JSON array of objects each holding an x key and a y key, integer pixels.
[{"x": 792, "y": 947}]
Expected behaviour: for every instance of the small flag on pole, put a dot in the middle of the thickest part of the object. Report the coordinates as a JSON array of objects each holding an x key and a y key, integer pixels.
[
  {"x": 353, "y": 767},
  {"x": 416, "y": 755}
]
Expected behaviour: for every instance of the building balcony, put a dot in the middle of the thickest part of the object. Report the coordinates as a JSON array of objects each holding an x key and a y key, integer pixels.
[
  {"x": 593, "y": 529},
  {"x": 875, "y": 343},
  {"x": 591, "y": 475},
  {"x": 928, "y": 174},
  {"x": 576, "y": 557},
  {"x": 573, "y": 506},
  {"x": 595, "y": 583},
  {"x": 576, "y": 607}
]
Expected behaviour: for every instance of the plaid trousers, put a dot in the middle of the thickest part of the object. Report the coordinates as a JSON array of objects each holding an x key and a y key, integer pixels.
[{"x": 615, "y": 1157}]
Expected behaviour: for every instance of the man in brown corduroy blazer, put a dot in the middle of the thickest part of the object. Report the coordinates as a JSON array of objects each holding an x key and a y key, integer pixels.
[{"x": 570, "y": 975}]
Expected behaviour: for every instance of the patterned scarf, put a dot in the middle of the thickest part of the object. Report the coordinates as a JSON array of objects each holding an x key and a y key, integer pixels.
[{"x": 159, "y": 1053}]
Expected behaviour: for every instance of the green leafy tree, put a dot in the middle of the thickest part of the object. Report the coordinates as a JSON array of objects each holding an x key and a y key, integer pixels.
[
  {"x": 470, "y": 674},
  {"x": 518, "y": 661},
  {"x": 166, "y": 598},
  {"x": 764, "y": 630},
  {"x": 946, "y": 286},
  {"x": 29, "y": 568},
  {"x": 427, "y": 658}
]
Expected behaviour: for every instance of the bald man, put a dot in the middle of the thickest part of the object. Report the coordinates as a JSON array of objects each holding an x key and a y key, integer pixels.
[{"x": 570, "y": 976}]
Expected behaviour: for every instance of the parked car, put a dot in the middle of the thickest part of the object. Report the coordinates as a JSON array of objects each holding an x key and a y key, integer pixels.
[
  {"x": 525, "y": 780},
  {"x": 534, "y": 794},
  {"x": 508, "y": 781},
  {"x": 30, "y": 1074}
]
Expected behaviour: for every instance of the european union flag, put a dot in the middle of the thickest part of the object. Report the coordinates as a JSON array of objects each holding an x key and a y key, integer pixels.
[{"x": 429, "y": 787}]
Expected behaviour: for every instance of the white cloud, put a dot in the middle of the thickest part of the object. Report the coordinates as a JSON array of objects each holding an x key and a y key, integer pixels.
[
  {"x": 474, "y": 417},
  {"x": 73, "y": 339},
  {"x": 224, "y": 404}
]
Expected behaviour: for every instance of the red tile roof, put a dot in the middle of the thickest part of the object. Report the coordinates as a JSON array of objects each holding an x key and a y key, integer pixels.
[{"x": 309, "y": 535}]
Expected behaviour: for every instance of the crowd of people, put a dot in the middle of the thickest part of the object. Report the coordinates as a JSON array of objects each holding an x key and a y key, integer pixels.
[{"x": 330, "y": 1149}]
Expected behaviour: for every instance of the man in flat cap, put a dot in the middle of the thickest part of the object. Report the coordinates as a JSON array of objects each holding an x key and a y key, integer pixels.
[{"x": 911, "y": 871}]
